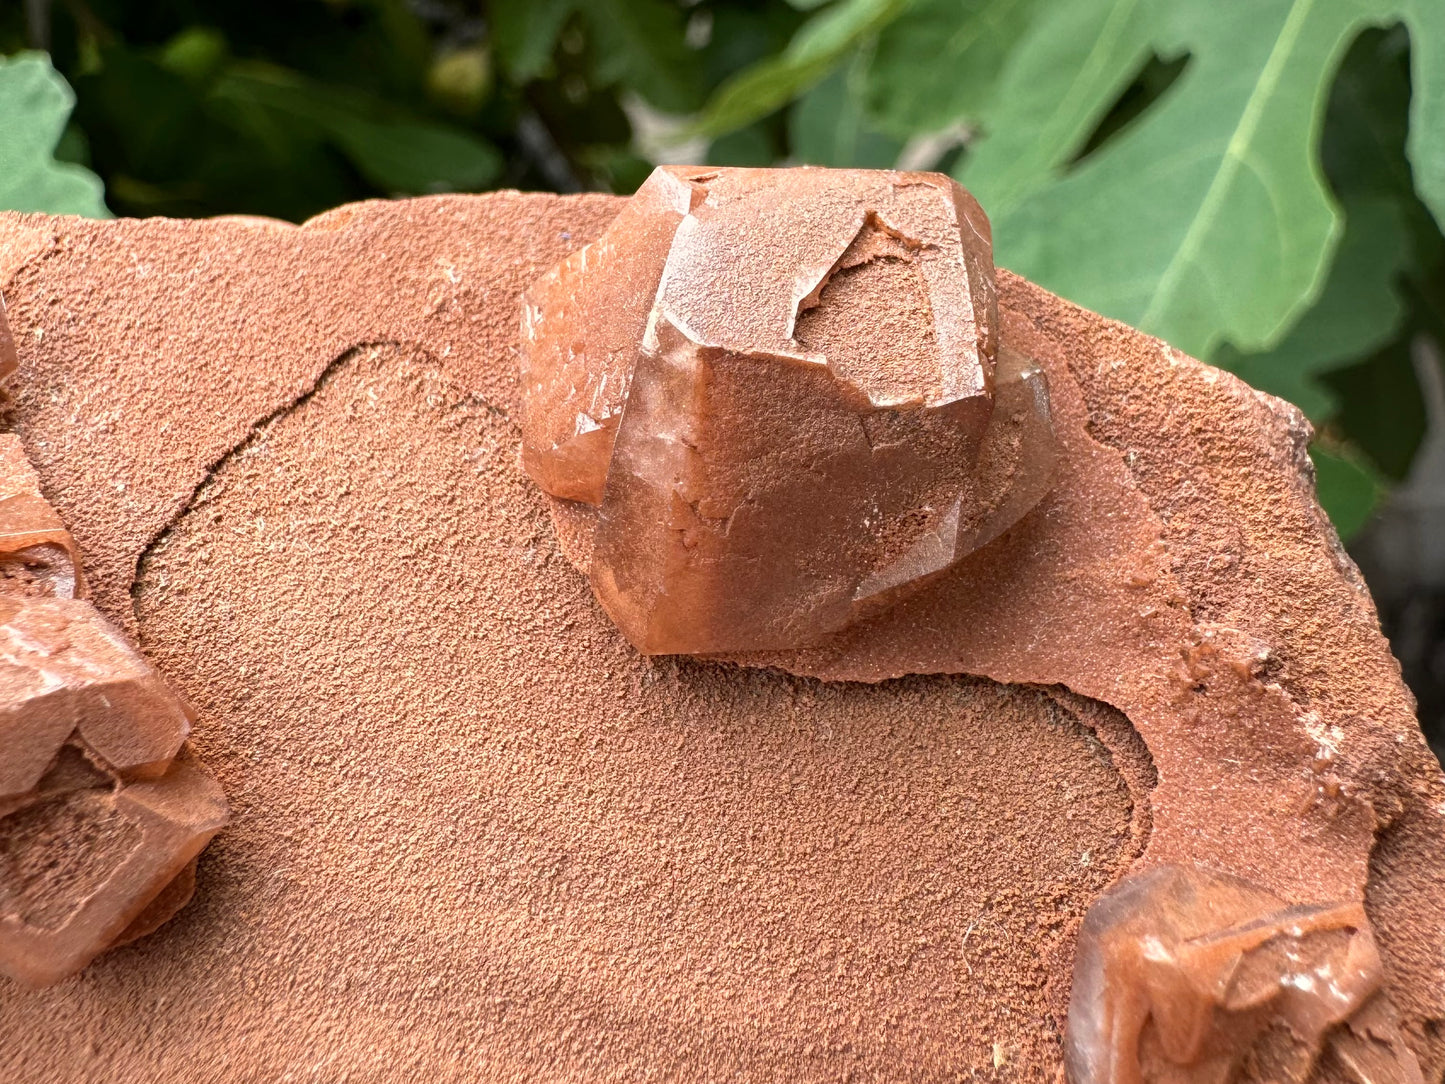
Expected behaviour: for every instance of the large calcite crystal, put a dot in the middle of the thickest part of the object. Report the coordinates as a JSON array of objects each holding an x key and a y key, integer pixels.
[
  {"x": 778, "y": 400},
  {"x": 1187, "y": 977}
]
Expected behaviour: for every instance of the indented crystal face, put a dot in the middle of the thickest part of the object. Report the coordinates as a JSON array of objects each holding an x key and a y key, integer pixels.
[
  {"x": 782, "y": 391},
  {"x": 98, "y": 818},
  {"x": 37, "y": 555},
  {"x": 1189, "y": 977}
]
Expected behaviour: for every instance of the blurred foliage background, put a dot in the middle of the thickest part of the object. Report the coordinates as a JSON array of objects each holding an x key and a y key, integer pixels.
[{"x": 1261, "y": 182}]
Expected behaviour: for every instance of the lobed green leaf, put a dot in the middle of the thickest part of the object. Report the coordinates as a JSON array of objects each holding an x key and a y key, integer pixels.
[
  {"x": 938, "y": 63},
  {"x": 35, "y": 103}
]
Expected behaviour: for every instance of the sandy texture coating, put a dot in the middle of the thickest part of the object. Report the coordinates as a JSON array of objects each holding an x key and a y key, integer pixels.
[{"x": 476, "y": 836}]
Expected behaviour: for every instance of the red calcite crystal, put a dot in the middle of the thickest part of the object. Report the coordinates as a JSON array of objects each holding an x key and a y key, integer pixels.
[
  {"x": 780, "y": 394},
  {"x": 98, "y": 819},
  {"x": 37, "y": 555},
  {"x": 1187, "y": 977}
]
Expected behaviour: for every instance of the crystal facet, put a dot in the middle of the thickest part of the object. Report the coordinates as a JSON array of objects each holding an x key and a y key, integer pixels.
[
  {"x": 781, "y": 398},
  {"x": 1181, "y": 976},
  {"x": 98, "y": 817},
  {"x": 37, "y": 555}
]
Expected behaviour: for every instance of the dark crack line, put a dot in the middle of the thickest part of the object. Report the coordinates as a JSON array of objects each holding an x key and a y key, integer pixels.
[{"x": 254, "y": 432}]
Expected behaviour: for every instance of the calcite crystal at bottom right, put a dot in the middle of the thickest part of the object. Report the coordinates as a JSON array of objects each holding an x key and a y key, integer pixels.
[{"x": 1189, "y": 977}]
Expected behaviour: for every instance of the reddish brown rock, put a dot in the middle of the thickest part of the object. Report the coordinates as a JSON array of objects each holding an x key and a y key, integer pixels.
[
  {"x": 8, "y": 360},
  {"x": 817, "y": 417},
  {"x": 480, "y": 836},
  {"x": 37, "y": 555}
]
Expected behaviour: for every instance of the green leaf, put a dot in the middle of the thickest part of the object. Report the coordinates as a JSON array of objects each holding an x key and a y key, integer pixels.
[
  {"x": 397, "y": 153},
  {"x": 826, "y": 127},
  {"x": 1358, "y": 312},
  {"x": 461, "y": 79},
  {"x": 1348, "y": 490},
  {"x": 1426, "y": 146},
  {"x": 524, "y": 33},
  {"x": 413, "y": 156},
  {"x": 1206, "y": 219},
  {"x": 816, "y": 49},
  {"x": 640, "y": 44},
  {"x": 938, "y": 63},
  {"x": 1382, "y": 410},
  {"x": 196, "y": 53},
  {"x": 34, "y": 105},
  {"x": 1367, "y": 122},
  {"x": 1055, "y": 88},
  {"x": 750, "y": 146}
]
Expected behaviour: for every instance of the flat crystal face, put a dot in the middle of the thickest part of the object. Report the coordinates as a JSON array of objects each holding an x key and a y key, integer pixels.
[
  {"x": 1190, "y": 977},
  {"x": 782, "y": 394},
  {"x": 97, "y": 816},
  {"x": 38, "y": 557},
  {"x": 581, "y": 326},
  {"x": 65, "y": 670}
]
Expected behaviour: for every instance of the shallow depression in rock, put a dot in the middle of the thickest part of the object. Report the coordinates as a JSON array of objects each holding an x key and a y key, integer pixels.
[{"x": 469, "y": 818}]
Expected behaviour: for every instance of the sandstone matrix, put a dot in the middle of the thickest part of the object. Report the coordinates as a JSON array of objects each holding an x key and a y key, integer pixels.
[{"x": 1167, "y": 591}]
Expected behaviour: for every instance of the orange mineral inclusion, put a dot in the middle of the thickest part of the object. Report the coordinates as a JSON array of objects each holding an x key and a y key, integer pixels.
[{"x": 779, "y": 398}]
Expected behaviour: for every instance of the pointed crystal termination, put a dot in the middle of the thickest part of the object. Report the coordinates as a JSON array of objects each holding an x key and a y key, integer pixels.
[
  {"x": 99, "y": 820},
  {"x": 9, "y": 359},
  {"x": 37, "y": 555},
  {"x": 581, "y": 326},
  {"x": 1189, "y": 977},
  {"x": 780, "y": 398}
]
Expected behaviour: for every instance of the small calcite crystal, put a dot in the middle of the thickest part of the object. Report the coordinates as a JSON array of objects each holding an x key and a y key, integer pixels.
[
  {"x": 1189, "y": 977},
  {"x": 98, "y": 817},
  {"x": 780, "y": 397},
  {"x": 37, "y": 555}
]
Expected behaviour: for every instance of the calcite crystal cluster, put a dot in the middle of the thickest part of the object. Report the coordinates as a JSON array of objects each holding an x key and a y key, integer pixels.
[
  {"x": 38, "y": 558},
  {"x": 777, "y": 401},
  {"x": 1188, "y": 976},
  {"x": 101, "y": 819}
]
